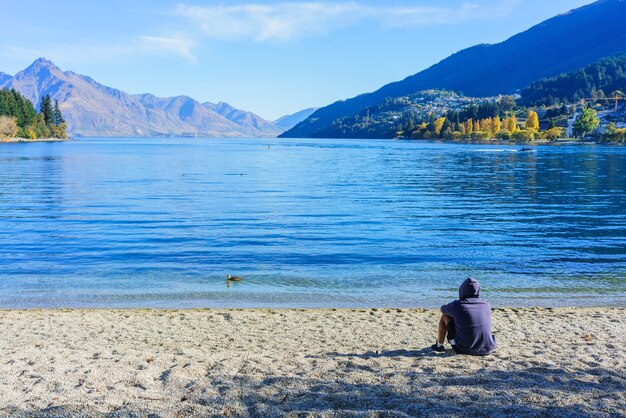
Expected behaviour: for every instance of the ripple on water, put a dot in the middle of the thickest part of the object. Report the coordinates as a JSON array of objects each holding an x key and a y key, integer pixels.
[{"x": 146, "y": 222}]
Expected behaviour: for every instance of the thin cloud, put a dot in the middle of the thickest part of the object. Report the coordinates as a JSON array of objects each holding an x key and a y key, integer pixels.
[
  {"x": 289, "y": 20},
  {"x": 179, "y": 46},
  {"x": 170, "y": 45},
  {"x": 422, "y": 16},
  {"x": 281, "y": 21},
  {"x": 76, "y": 53}
]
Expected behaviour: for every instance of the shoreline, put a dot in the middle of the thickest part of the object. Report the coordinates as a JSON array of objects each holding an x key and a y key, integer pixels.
[
  {"x": 307, "y": 362},
  {"x": 570, "y": 141},
  {"x": 557, "y": 142},
  {"x": 19, "y": 140}
]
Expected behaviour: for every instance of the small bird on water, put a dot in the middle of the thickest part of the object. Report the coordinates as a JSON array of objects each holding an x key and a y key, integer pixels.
[{"x": 230, "y": 278}]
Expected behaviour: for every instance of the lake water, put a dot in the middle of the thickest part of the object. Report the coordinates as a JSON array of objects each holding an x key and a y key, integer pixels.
[{"x": 308, "y": 223}]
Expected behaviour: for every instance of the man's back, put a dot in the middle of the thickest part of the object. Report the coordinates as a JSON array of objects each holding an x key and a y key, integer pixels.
[{"x": 472, "y": 320}]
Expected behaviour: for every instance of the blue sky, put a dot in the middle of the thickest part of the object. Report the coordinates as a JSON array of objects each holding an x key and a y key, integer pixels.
[{"x": 268, "y": 57}]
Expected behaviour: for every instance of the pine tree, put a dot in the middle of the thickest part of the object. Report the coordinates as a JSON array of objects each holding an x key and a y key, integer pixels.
[
  {"x": 11, "y": 108},
  {"x": 58, "y": 117},
  {"x": 13, "y": 104},
  {"x": 18, "y": 108},
  {"x": 28, "y": 114},
  {"x": 45, "y": 108},
  {"x": 4, "y": 105}
]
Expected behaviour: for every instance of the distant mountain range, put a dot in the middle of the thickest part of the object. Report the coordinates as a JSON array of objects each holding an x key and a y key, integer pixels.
[
  {"x": 289, "y": 121},
  {"x": 564, "y": 43},
  {"x": 92, "y": 109}
]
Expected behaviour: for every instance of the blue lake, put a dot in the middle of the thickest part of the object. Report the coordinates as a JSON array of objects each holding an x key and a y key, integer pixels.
[{"x": 308, "y": 223}]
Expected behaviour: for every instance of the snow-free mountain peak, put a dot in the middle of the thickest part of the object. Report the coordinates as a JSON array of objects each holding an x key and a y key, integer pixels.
[{"x": 93, "y": 109}]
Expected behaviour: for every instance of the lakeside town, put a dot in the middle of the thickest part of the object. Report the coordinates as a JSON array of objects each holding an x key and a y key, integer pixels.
[{"x": 444, "y": 115}]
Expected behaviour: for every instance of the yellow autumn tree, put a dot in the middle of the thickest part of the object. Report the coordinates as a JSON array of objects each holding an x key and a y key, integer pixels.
[
  {"x": 438, "y": 125},
  {"x": 532, "y": 120},
  {"x": 495, "y": 125},
  {"x": 511, "y": 124},
  {"x": 470, "y": 126},
  {"x": 477, "y": 125},
  {"x": 485, "y": 125}
]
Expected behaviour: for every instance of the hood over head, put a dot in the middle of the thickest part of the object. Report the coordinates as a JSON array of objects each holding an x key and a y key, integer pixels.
[{"x": 470, "y": 288}]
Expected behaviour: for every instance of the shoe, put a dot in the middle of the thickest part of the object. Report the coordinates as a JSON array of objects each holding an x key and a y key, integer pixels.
[{"x": 438, "y": 349}]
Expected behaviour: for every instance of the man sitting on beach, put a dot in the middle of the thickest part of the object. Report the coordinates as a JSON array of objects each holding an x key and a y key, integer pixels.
[{"x": 467, "y": 322}]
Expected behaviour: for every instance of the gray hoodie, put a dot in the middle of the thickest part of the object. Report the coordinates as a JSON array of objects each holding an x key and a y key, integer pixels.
[{"x": 472, "y": 320}]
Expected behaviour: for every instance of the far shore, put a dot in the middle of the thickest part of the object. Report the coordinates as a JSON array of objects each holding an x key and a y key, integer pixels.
[
  {"x": 551, "y": 362},
  {"x": 567, "y": 141},
  {"x": 15, "y": 140}
]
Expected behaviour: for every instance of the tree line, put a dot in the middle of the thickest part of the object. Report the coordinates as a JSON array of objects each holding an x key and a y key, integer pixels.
[
  {"x": 495, "y": 127},
  {"x": 603, "y": 79},
  {"x": 19, "y": 119}
]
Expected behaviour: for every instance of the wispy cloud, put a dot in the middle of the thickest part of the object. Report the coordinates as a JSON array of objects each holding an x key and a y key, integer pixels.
[
  {"x": 181, "y": 45},
  {"x": 425, "y": 16},
  {"x": 280, "y": 21},
  {"x": 288, "y": 20},
  {"x": 67, "y": 53},
  {"x": 171, "y": 45}
]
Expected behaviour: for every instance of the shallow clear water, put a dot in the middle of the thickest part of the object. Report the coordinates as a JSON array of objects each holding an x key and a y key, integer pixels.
[{"x": 159, "y": 222}]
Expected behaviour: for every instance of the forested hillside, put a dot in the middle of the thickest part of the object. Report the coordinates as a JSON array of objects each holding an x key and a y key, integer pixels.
[{"x": 605, "y": 78}]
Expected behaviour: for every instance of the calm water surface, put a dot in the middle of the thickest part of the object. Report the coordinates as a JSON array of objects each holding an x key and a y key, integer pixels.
[{"x": 159, "y": 222}]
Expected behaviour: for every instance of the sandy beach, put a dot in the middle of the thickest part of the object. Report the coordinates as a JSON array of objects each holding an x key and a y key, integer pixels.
[{"x": 326, "y": 362}]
